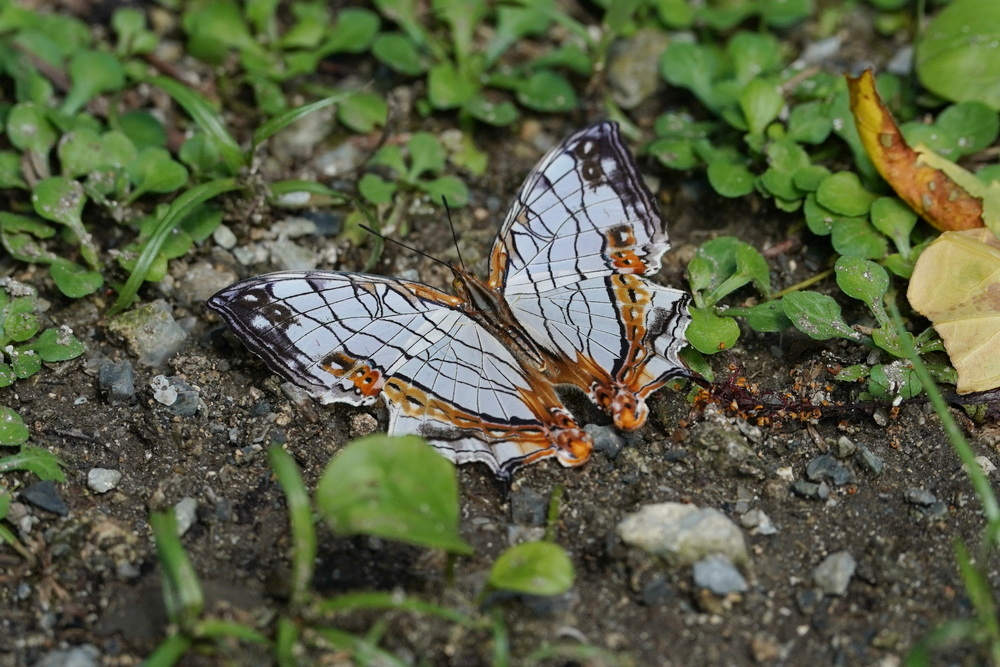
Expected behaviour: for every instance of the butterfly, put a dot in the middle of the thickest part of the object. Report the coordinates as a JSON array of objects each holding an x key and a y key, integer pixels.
[{"x": 475, "y": 373}]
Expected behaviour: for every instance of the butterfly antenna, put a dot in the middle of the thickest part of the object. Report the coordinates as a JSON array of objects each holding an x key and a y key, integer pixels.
[
  {"x": 408, "y": 247},
  {"x": 454, "y": 234}
]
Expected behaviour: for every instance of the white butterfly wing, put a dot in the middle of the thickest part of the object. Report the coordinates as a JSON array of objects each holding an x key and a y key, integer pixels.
[
  {"x": 583, "y": 230},
  {"x": 349, "y": 338}
]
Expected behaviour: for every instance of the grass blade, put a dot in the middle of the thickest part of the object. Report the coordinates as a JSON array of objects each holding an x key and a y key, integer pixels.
[
  {"x": 283, "y": 120},
  {"x": 300, "y": 518}
]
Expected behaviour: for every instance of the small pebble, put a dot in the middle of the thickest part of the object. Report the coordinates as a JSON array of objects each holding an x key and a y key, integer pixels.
[
  {"x": 45, "y": 496},
  {"x": 186, "y": 511},
  {"x": 362, "y": 424},
  {"x": 102, "y": 480},
  {"x": 718, "y": 575},
  {"x": 86, "y": 655},
  {"x": 985, "y": 464},
  {"x": 758, "y": 523},
  {"x": 224, "y": 237},
  {"x": 922, "y": 497},
  {"x": 811, "y": 490},
  {"x": 872, "y": 463},
  {"x": 116, "y": 380},
  {"x": 151, "y": 332},
  {"x": 833, "y": 575},
  {"x": 528, "y": 507},
  {"x": 845, "y": 447},
  {"x": 606, "y": 439},
  {"x": 828, "y": 468}
]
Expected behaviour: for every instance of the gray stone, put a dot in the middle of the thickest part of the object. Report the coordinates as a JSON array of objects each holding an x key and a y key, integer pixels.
[
  {"x": 833, "y": 575},
  {"x": 150, "y": 331},
  {"x": 200, "y": 281},
  {"x": 683, "y": 534},
  {"x": 718, "y": 575},
  {"x": 180, "y": 397},
  {"x": 45, "y": 496},
  {"x": 116, "y": 380},
  {"x": 186, "y": 511},
  {"x": 289, "y": 256},
  {"x": 102, "y": 480},
  {"x": 343, "y": 159},
  {"x": 224, "y": 237},
  {"x": 921, "y": 497},
  {"x": 606, "y": 439},
  {"x": 528, "y": 507},
  {"x": 827, "y": 468},
  {"x": 872, "y": 463},
  {"x": 634, "y": 67},
  {"x": 79, "y": 656},
  {"x": 758, "y": 523},
  {"x": 811, "y": 490}
]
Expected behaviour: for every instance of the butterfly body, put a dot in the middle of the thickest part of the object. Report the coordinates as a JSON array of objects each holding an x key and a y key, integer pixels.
[{"x": 565, "y": 303}]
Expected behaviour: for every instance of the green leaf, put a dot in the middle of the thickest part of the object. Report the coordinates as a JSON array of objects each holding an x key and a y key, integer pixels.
[
  {"x": 548, "y": 92},
  {"x": 865, "y": 281},
  {"x": 396, "y": 488},
  {"x": 376, "y": 189},
  {"x": 74, "y": 280},
  {"x": 852, "y": 373},
  {"x": 857, "y": 238},
  {"x": 447, "y": 88},
  {"x": 207, "y": 118},
  {"x": 399, "y": 53},
  {"x": 761, "y": 101},
  {"x": 730, "y": 179},
  {"x": 447, "y": 188},
  {"x": 29, "y": 129},
  {"x": 708, "y": 333},
  {"x": 35, "y": 460},
  {"x": 362, "y": 112},
  {"x": 143, "y": 129},
  {"x": 843, "y": 193},
  {"x": 768, "y": 317},
  {"x": 956, "y": 54},
  {"x": 353, "y": 32},
  {"x": 894, "y": 219},
  {"x": 808, "y": 178},
  {"x": 534, "y": 568},
  {"x": 182, "y": 592},
  {"x": 898, "y": 379},
  {"x": 499, "y": 114},
  {"x": 7, "y": 377},
  {"x": 57, "y": 345},
  {"x": 84, "y": 151},
  {"x": 753, "y": 54},
  {"x": 12, "y": 429},
  {"x": 809, "y": 123},
  {"x": 20, "y": 325},
  {"x": 25, "y": 363},
  {"x": 817, "y": 315},
  {"x": 91, "y": 73},
  {"x": 156, "y": 171},
  {"x": 973, "y": 125},
  {"x": 426, "y": 155}
]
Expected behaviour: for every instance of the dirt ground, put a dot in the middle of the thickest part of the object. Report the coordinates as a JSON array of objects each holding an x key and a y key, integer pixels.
[{"x": 97, "y": 579}]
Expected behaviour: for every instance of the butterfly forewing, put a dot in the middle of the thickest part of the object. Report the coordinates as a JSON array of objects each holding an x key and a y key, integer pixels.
[{"x": 351, "y": 337}]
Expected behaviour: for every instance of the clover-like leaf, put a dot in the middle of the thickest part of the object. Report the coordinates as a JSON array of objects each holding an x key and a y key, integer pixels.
[
  {"x": 57, "y": 344},
  {"x": 396, "y": 488},
  {"x": 817, "y": 315},
  {"x": 74, "y": 280},
  {"x": 534, "y": 568},
  {"x": 12, "y": 428}
]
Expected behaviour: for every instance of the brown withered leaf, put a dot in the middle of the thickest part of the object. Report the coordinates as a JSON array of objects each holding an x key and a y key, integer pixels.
[{"x": 929, "y": 191}]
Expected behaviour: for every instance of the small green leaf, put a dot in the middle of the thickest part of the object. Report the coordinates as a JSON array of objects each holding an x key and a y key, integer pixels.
[
  {"x": 376, "y": 189},
  {"x": 57, "y": 345},
  {"x": 730, "y": 179},
  {"x": 761, "y": 102},
  {"x": 36, "y": 460},
  {"x": 889, "y": 339},
  {"x": 74, "y": 280},
  {"x": 156, "y": 171},
  {"x": 143, "y": 129},
  {"x": 7, "y": 377},
  {"x": 208, "y": 119},
  {"x": 25, "y": 363},
  {"x": 29, "y": 129},
  {"x": 843, "y": 193},
  {"x": 12, "y": 429},
  {"x": 447, "y": 188},
  {"x": 857, "y": 238},
  {"x": 809, "y": 123},
  {"x": 362, "y": 112},
  {"x": 548, "y": 92},
  {"x": 853, "y": 373},
  {"x": 898, "y": 379},
  {"x": 61, "y": 200},
  {"x": 84, "y": 151},
  {"x": 808, "y": 178},
  {"x": 894, "y": 219},
  {"x": 973, "y": 125},
  {"x": 768, "y": 317},
  {"x": 708, "y": 333},
  {"x": 426, "y": 155},
  {"x": 534, "y": 568},
  {"x": 499, "y": 114},
  {"x": 91, "y": 73},
  {"x": 396, "y": 488},
  {"x": 817, "y": 315},
  {"x": 353, "y": 32},
  {"x": 863, "y": 280},
  {"x": 750, "y": 263},
  {"x": 20, "y": 324},
  {"x": 399, "y": 53},
  {"x": 447, "y": 88}
]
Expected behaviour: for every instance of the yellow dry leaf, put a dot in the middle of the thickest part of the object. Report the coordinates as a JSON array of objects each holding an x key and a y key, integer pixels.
[
  {"x": 956, "y": 285},
  {"x": 988, "y": 193}
]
